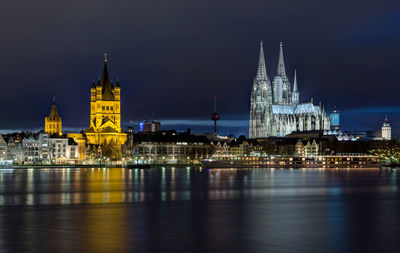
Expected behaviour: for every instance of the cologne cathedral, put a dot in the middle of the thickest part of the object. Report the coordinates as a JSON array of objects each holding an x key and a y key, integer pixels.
[{"x": 275, "y": 110}]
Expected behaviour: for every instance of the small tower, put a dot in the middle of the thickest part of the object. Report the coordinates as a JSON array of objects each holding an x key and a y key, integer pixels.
[
  {"x": 52, "y": 123},
  {"x": 215, "y": 116},
  {"x": 295, "y": 93},
  {"x": 386, "y": 130}
]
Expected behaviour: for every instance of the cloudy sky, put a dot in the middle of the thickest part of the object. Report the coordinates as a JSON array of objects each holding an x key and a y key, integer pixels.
[{"x": 172, "y": 57}]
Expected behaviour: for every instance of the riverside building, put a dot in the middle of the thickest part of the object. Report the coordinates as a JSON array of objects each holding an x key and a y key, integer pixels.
[
  {"x": 169, "y": 147},
  {"x": 386, "y": 130}
]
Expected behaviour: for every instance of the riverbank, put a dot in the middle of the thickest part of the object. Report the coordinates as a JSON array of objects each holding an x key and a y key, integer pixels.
[{"x": 139, "y": 166}]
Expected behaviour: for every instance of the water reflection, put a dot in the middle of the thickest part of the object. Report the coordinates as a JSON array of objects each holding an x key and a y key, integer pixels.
[
  {"x": 104, "y": 186},
  {"x": 201, "y": 210}
]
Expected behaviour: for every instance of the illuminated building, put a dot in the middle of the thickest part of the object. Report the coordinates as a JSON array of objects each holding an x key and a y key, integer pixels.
[
  {"x": 15, "y": 151},
  {"x": 52, "y": 123},
  {"x": 31, "y": 147},
  {"x": 334, "y": 119},
  {"x": 169, "y": 147},
  {"x": 299, "y": 148},
  {"x": 35, "y": 148},
  {"x": 3, "y": 148},
  {"x": 386, "y": 130},
  {"x": 105, "y": 111},
  {"x": 311, "y": 149},
  {"x": 147, "y": 127},
  {"x": 275, "y": 110},
  {"x": 105, "y": 116},
  {"x": 63, "y": 150}
]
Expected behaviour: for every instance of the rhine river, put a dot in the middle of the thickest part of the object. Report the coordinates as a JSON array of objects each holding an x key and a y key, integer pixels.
[{"x": 193, "y": 210}]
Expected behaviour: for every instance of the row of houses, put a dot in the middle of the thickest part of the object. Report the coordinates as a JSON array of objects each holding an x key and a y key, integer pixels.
[
  {"x": 163, "y": 147},
  {"x": 39, "y": 148}
]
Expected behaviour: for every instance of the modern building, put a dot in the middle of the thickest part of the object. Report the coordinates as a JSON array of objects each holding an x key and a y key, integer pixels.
[
  {"x": 334, "y": 119},
  {"x": 386, "y": 130},
  {"x": 275, "y": 110},
  {"x": 53, "y": 123},
  {"x": 149, "y": 126},
  {"x": 169, "y": 147}
]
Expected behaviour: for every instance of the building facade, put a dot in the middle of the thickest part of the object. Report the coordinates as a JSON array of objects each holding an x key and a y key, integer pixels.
[
  {"x": 334, "y": 118},
  {"x": 275, "y": 110},
  {"x": 169, "y": 147},
  {"x": 53, "y": 123},
  {"x": 3, "y": 148},
  {"x": 146, "y": 126},
  {"x": 386, "y": 130},
  {"x": 63, "y": 150},
  {"x": 105, "y": 111},
  {"x": 15, "y": 151}
]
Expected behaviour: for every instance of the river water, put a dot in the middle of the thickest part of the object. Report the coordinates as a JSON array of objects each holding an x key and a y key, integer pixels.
[{"x": 194, "y": 210}]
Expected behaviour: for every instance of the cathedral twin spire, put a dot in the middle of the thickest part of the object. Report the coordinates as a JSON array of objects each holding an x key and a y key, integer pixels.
[
  {"x": 262, "y": 70},
  {"x": 281, "y": 69}
]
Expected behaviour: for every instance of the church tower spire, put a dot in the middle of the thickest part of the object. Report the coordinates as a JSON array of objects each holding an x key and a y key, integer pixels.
[
  {"x": 281, "y": 70},
  {"x": 105, "y": 82},
  {"x": 52, "y": 123},
  {"x": 262, "y": 70}
]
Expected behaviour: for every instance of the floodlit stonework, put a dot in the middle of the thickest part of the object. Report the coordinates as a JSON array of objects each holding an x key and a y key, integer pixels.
[{"x": 275, "y": 110}]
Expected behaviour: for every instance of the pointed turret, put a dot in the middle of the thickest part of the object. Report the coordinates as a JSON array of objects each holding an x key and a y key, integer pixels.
[
  {"x": 105, "y": 82},
  {"x": 295, "y": 82},
  {"x": 52, "y": 123},
  {"x": 295, "y": 93},
  {"x": 262, "y": 70},
  {"x": 281, "y": 70},
  {"x": 53, "y": 113}
]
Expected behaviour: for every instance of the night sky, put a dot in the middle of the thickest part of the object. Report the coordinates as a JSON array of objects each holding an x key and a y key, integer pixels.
[{"x": 172, "y": 57}]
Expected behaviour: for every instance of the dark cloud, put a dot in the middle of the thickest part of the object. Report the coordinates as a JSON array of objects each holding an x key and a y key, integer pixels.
[{"x": 172, "y": 57}]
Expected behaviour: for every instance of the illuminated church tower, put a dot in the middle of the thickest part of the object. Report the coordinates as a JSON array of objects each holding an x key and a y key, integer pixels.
[
  {"x": 105, "y": 111},
  {"x": 52, "y": 123}
]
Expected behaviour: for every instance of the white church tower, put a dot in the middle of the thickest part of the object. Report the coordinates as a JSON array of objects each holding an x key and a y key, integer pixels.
[
  {"x": 261, "y": 97},
  {"x": 281, "y": 81},
  {"x": 386, "y": 130}
]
